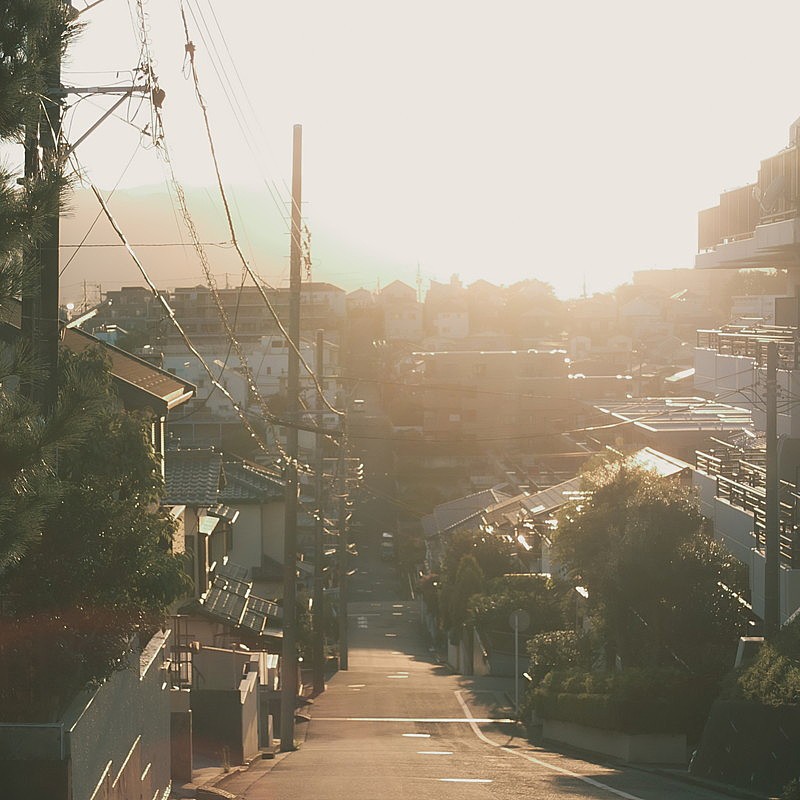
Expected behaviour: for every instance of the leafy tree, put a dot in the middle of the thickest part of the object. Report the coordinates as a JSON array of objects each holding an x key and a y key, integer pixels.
[
  {"x": 469, "y": 581},
  {"x": 661, "y": 591},
  {"x": 102, "y": 569},
  {"x": 534, "y": 594},
  {"x": 492, "y": 553}
]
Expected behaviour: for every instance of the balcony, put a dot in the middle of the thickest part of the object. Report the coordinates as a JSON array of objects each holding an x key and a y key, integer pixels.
[
  {"x": 752, "y": 343},
  {"x": 741, "y": 481}
]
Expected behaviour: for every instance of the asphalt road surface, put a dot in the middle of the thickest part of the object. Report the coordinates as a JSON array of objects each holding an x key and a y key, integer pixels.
[{"x": 399, "y": 725}]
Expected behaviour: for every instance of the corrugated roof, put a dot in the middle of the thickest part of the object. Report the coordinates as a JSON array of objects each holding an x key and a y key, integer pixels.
[
  {"x": 450, "y": 515},
  {"x": 549, "y": 500}
]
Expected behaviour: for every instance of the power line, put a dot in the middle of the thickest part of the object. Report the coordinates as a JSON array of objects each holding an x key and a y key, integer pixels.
[{"x": 190, "y": 48}]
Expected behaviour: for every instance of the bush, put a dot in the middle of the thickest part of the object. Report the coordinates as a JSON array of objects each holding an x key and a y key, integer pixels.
[
  {"x": 773, "y": 679},
  {"x": 632, "y": 701},
  {"x": 556, "y": 650}
]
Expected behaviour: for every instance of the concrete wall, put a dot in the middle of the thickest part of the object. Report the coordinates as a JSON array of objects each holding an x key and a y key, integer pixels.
[
  {"x": 647, "y": 748},
  {"x": 217, "y": 668},
  {"x": 715, "y": 373},
  {"x": 121, "y": 732},
  {"x": 111, "y": 744},
  {"x": 246, "y": 550},
  {"x": 227, "y": 718}
]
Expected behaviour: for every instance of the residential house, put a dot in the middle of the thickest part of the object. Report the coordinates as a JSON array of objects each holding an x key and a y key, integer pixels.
[
  {"x": 447, "y": 310},
  {"x": 402, "y": 313}
]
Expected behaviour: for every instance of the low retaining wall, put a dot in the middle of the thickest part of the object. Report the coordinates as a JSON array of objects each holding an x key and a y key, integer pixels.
[
  {"x": 634, "y": 748},
  {"x": 749, "y": 745}
]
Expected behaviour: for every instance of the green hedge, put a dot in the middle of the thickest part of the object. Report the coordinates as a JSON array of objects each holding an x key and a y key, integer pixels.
[{"x": 632, "y": 701}]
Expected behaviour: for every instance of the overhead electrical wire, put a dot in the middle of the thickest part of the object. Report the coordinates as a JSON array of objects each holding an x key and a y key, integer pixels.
[
  {"x": 190, "y": 50},
  {"x": 233, "y": 102}
]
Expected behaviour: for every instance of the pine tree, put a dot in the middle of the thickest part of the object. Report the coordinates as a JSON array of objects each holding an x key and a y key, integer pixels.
[
  {"x": 85, "y": 549},
  {"x": 29, "y": 31}
]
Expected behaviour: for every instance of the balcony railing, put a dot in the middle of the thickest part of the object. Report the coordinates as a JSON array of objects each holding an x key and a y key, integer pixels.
[
  {"x": 747, "y": 490},
  {"x": 752, "y": 343}
]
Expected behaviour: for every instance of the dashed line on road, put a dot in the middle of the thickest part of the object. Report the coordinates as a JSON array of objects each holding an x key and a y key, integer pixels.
[{"x": 591, "y": 781}]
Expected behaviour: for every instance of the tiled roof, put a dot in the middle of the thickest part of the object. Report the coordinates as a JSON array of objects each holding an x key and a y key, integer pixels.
[
  {"x": 193, "y": 477},
  {"x": 248, "y": 482}
]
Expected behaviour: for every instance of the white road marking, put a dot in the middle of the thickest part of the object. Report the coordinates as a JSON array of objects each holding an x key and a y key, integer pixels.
[
  {"x": 397, "y": 676},
  {"x": 434, "y": 752},
  {"x": 356, "y": 685},
  {"x": 471, "y": 720},
  {"x": 417, "y": 735},
  {"x": 465, "y": 780},
  {"x": 390, "y": 635},
  {"x": 591, "y": 781}
]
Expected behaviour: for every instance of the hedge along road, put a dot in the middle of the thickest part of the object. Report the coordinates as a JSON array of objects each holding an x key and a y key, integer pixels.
[{"x": 400, "y": 725}]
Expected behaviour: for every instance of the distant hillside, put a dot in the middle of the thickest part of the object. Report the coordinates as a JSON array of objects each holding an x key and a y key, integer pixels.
[{"x": 149, "y": 217}]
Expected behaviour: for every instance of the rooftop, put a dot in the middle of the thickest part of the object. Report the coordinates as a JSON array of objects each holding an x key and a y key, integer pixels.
[{"x": 673, "y": 414}]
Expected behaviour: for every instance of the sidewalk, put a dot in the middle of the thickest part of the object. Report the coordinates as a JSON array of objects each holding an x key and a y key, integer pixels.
[{"x": 239, "y": 778}]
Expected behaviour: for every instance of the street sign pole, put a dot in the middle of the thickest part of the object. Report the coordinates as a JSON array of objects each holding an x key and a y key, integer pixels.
[{"x": 519, "y": 620}]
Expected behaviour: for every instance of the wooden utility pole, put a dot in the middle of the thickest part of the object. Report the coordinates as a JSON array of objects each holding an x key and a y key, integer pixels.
[
  {"x": 344, "y": 556},
  {"x": 289, "y": 652},
  {"x": 317, "y": 608},
  {"x": 772, "y": 544}
]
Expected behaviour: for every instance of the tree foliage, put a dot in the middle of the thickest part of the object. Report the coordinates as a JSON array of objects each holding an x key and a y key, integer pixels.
[
  {"x": 661, "y": 590},
  {"x": 102, "y": 569},
  {"x": 30, "y": 32},
  {"x": 534, "y": 594},
  {"x": 492, "y": 553}
]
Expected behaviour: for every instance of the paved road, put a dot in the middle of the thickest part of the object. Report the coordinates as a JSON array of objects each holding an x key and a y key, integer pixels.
[{"x": 398, "y": 725}]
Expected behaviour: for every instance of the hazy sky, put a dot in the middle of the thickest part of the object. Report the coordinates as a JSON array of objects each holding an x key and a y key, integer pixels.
[{"x": 557, "y": 140}]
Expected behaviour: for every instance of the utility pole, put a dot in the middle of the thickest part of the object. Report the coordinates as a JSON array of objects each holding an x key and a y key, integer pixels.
[
  {"x": 343, "y": 551},
  {"x": 289, "y": 651},
  {"x": 317, "y": 608},
  {"x": 772, "y": 537}
]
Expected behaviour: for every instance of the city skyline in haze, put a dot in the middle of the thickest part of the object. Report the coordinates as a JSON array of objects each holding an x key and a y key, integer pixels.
[{"x": 571, "y": 143}]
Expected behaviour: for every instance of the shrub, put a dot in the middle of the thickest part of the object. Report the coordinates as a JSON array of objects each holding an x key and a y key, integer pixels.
[
  {"x": 632, "y": 701},
  {"x": 556, "y": 650},
  {"x": 773, "y": 679}
]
